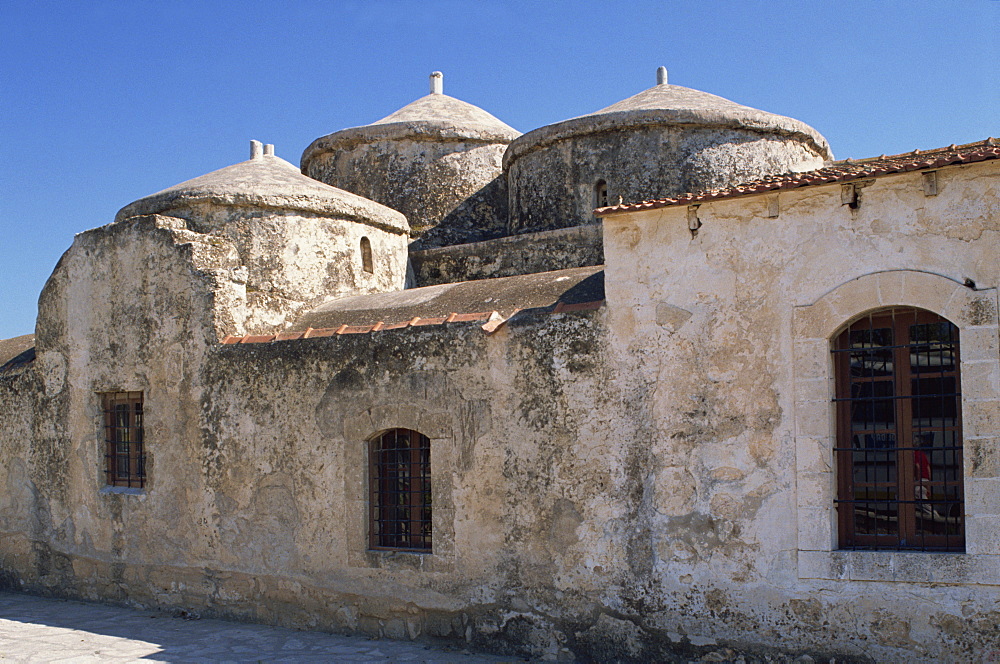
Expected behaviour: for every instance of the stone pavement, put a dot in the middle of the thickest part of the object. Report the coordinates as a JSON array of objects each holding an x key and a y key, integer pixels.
[{"x": 35, "y": 629}]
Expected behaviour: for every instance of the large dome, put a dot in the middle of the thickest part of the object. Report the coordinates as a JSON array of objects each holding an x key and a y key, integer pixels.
[
  {"x": 432, "y": 117},
  {"x": 267, "y": 182},
  {"x": 665, "y": 104},
  {"x": 428, "y": 160},
  {"x": 668, "y": 139}
]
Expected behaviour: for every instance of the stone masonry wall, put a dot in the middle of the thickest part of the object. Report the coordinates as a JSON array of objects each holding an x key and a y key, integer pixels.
[
  {"x": 563, "y": 248},
  {"x": 553, "y": 186},
  {"x": 428, "y": 181},
  {"x": 638, "y": 483}
]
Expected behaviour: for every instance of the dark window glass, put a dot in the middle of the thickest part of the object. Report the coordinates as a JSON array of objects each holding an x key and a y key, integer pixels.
[
  {"x": 400, "y": 488},
  {"x": 125, "y": 459}
]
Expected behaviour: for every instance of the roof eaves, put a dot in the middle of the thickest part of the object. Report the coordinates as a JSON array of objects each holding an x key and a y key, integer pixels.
[
  {"x": 490, "y": 321},
  {"x": 838, "y": 171}
]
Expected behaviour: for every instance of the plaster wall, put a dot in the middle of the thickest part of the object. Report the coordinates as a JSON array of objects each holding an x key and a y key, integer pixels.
[
  {"x": 552, "y": 185},
  {"x": 730, "y": 326}
]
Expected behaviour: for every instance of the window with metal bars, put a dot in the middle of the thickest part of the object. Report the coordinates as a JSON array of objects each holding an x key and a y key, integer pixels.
[
  {"x": 125, "y": 459},
  {"x": 899, "y": 433},
  {"x": 400, "y": 491}
]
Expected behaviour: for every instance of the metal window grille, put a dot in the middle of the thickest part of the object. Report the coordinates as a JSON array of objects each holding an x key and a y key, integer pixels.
[
  {"x": 400, "y": 486},
  {"x": 899, "y": 433},
  {"x": 125, "y": 459}
]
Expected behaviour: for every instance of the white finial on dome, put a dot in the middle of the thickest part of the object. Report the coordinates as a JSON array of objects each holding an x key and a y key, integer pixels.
[
  {"x": 661, "y": 76},
  {"x": 269, "y": 149},
  {"x": 437, "y": 83},
  {"x": 256, "y": 149}
]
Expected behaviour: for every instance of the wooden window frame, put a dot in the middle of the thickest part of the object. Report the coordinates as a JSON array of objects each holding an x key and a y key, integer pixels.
[
  {"x": 124, "y": 446},
  {"x": 400, "y": 502},
  {"x": 916, "y": 508}
]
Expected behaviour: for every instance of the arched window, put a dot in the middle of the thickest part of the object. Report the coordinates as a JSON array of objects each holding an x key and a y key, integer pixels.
[
  {"x": 600, "y": 194},
  {"x": 400, "y": 491},
  {"x": 366, "y": 256},
  {"x": 899, "y": 433}
]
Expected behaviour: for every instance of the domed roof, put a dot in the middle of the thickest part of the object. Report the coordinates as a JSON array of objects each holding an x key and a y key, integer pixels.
[
  {"x": 267, "y": 181},
  {"x": 434, "y": 116},
  {"x": 665, "y": 104}
]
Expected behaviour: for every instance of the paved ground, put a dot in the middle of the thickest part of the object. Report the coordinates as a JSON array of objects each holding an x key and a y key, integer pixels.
[{"x": 35, "y": 629}]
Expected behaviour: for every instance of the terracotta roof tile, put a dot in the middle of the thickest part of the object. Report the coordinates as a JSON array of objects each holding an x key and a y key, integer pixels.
[
  {"x": 838, "y": 171},
  {"x": 493, "y": 321}
]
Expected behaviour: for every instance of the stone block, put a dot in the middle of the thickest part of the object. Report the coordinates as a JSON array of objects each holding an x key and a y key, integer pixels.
[
  {"x": 814, "y": 389},
  {"x": 813, "y": 454},
  {"x": 890, "y": 287},
  {"x": 871, "y": 565},
  {"x": 815, "y": 321},
  {"x": 970, "y": 308},
  {"x": 982, "y": 534},
  {"x": 821, "y": 565},
  {"x": 985, "y": 569},
  {"x": 815, "y": 529},
  {"x": 982, "y": 497},
  {"x": 435, "y": 424},
  {"x": 358, "y": 427},
  {"x": 814, "y": 489},
  {"x": 812, "y": 359},
  {"x": 928, "y": 291},
  {"x": 982, "y": 456},
  {"x": 814, "y": 419},
  {"x": 979, "y": 344},
  {"x": 913, "y": 567},
  {"x": 981, "y": 380},
  {"x": 981, "y": 418}
]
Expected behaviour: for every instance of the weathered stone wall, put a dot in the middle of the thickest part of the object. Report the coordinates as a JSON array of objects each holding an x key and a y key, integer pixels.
[
  {"x": 20, "y": 398},
  {"x": 732, "y": 336},
  {"x": 563, "y": 248},
  {"x": 128, "y": 307},
  {"x": 638, "y": 483},
  {"x": 552, "y": 185},
  {"x": 289, "y": 262},
  {"x": 429, "y": 181}
]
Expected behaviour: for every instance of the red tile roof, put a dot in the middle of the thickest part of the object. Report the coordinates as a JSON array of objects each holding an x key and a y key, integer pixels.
[
  {"x": 838, "y": 171},
  {"x": 491, "y": 321}
]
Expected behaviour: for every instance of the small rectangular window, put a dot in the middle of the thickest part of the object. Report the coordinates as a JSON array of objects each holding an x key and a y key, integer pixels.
[
  {"x": 125, "y": 458},
  {"x": 400, "y": 480}
]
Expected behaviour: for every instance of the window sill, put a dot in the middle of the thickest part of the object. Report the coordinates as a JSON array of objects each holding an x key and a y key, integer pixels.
[
  {"x": 401, "y": 560},
  {"x": 900, "y": 567},
  {"x": 122, "y": 491}
]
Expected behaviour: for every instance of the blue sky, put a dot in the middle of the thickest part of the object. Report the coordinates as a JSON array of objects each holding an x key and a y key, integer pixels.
[{"x": 102, "y": 103}]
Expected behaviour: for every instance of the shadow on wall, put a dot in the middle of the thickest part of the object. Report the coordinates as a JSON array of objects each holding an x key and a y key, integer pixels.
[{"x": 481, "y": 216}]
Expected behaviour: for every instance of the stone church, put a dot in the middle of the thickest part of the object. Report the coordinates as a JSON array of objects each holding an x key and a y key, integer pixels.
[{"x": 652, "y": 382}]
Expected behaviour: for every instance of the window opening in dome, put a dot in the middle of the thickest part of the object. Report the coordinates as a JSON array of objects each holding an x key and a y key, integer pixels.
[
  {"x": 366, "y": 256},
  {"x": 600, "y": 194}
]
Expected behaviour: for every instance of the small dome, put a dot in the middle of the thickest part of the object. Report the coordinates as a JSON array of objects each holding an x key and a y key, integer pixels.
[
  {"x": 267, "y": 181},
  {"x": 452, "y": 114},
  {"x": 434, "y": 116},
  {"x": 666, "y": 104}
]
